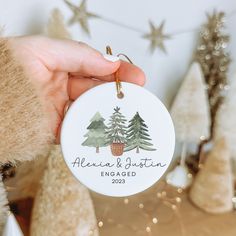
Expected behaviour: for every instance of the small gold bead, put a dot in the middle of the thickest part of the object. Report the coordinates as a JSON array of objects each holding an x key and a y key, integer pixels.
[
  {"x": 90, "y": 232},
  {"x": 159, "y": 195}
]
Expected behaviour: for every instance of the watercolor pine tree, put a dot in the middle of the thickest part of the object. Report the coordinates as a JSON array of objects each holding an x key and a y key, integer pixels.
[
  {"x": 116, "y": 132},
  {"x": 137, "y": 135},
  {"x": 96, "y": 135}
]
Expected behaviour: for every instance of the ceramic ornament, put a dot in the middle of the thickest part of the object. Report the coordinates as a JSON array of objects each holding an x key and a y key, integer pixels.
[
  {"x": 179, "y": 177},
  {"x": 117, "y": 146}
]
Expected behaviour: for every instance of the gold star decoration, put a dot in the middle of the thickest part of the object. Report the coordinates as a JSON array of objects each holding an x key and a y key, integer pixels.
[
  {"x": 80, "y": 15},
  {"x": 157, "y": 37}
]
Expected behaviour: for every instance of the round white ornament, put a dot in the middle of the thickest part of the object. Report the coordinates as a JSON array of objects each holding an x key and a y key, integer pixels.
[{"x": 117, "y": 147}]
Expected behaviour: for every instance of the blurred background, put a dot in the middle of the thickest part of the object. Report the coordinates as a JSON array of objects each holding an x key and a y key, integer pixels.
[
  {"x": 164, "y": 71},
  {"x": 187, "y": 50}
]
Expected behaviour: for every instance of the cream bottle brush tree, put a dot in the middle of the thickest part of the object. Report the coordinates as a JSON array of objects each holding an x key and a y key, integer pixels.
[
  {"x": 190, "y": 112},
  {"x": 225, "y": 122},
  {"x": 62, "y": 206},
  {"x": 212, "y": 190},
  {"x": 56, "y": 27}
]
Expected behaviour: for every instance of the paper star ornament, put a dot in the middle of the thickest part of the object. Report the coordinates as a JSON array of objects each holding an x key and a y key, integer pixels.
[
  {"x": 156, "y": 37},
  {"x": 80, "y": 15}
]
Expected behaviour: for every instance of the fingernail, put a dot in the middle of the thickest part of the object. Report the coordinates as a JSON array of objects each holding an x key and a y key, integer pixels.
[{"x": 111, "y": 58}]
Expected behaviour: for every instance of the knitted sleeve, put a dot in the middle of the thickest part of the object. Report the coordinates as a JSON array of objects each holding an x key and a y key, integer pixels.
[{"x": 24, "y": 129}]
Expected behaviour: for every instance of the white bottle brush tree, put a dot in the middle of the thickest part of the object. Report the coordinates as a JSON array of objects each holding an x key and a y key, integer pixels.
[
  {"x": 137, "y": 135},
  {"x": 225, "y": 122},
  {"x": 116, "y": 132},
  {"x": 212, "y": 190},
  {"x": 190, "y": 113},
  {"x": 96, "y": 136}
]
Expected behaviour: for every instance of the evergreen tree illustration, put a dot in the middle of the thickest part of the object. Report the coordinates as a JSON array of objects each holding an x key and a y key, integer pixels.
[
  {"x": 96, "y": 135},
  {"x": 137, "y": 135},
  {"x": 116, "y": 130}
]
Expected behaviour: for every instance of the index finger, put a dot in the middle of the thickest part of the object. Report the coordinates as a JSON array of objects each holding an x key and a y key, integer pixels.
[{"x": 71, "y": 56}]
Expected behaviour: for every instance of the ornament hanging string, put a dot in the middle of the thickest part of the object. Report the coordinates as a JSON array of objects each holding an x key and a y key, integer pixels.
[{"x": 120, "y": 94}]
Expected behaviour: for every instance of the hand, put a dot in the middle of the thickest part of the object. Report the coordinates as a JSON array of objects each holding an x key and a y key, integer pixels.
[{"x": 62, "y": 70}]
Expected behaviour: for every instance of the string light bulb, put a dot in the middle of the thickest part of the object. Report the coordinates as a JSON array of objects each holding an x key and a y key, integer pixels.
[
  {"x": 154, "y": 220},
  {"x": 141, "y": 206},
  {"x": 148, "y": 229},
  {"x": 100, "y": 224}
]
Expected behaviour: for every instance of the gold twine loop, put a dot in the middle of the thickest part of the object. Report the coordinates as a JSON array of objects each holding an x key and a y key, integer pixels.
[{"x": 120, "y": 94}]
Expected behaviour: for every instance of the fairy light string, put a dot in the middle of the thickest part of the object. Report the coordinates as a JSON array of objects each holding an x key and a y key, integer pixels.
[{"x": 148, "y": 210}]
